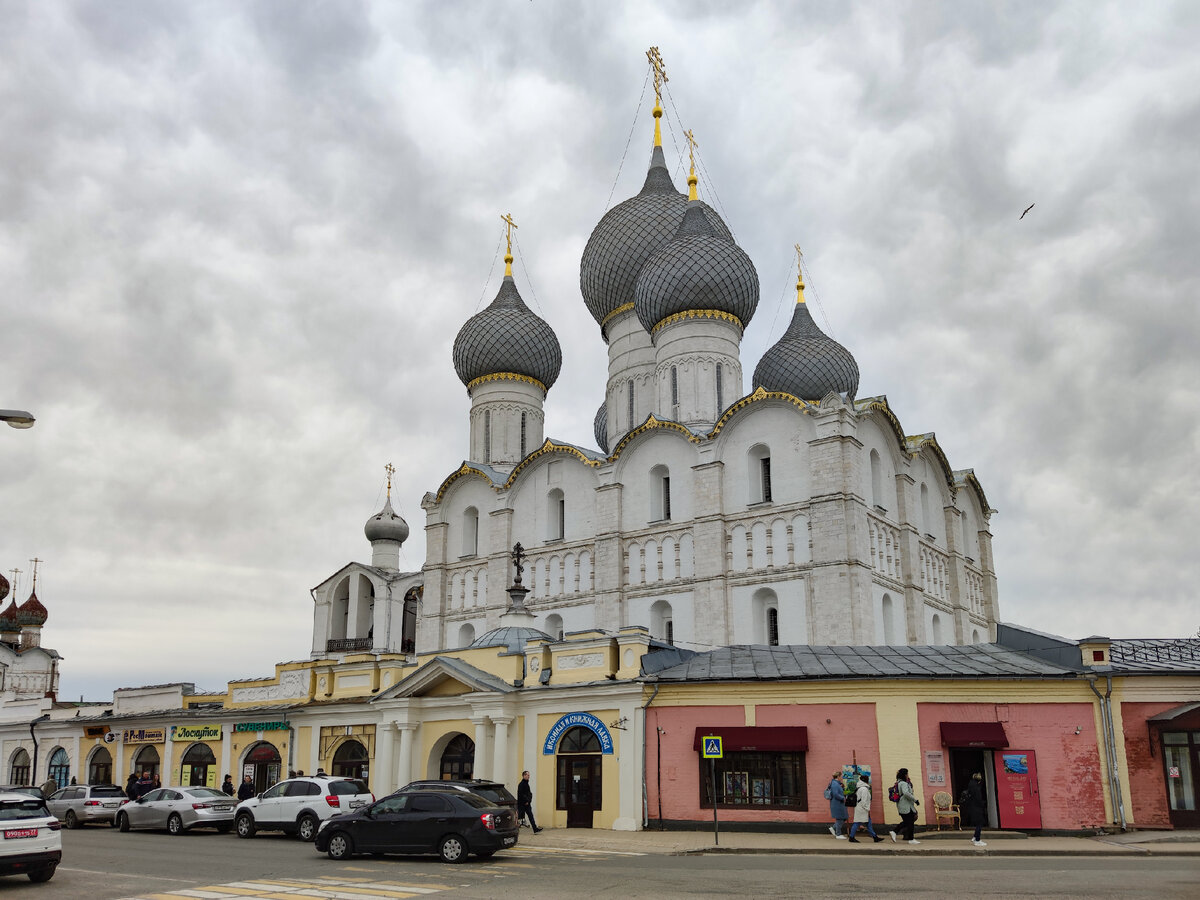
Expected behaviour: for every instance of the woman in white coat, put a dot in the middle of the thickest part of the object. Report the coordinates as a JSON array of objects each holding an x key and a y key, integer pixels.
[{"x": 862, "y": 809}]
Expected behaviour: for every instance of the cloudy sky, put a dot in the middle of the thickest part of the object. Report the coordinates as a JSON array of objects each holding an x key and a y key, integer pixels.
[{"x": 237, "y": 241}]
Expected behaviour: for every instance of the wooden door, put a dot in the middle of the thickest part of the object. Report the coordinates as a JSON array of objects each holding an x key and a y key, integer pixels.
[{"x": 582, "y": 772}]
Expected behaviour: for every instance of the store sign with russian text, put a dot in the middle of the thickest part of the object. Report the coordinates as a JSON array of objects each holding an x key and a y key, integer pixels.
[
  {"x": 261, "y": 726},
  {"x": 581, "y": 720},
  {"x": 208, "y": 732},
  {"x": 143, "y": 735}
]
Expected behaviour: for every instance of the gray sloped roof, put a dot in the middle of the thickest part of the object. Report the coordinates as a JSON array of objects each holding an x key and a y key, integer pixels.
[{"x": 803, "y": 662}]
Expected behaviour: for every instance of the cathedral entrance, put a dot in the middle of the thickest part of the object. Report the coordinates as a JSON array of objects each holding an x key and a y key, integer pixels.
[
  {"x": 579, "y": 776},
  {"x": 458, "y": 759},
  {"x": 262, "y": 764},
  {"x": 350, "y": 760}
]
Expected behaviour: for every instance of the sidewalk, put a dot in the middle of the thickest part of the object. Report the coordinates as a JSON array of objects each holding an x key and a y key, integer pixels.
[{"x": 933, "y": 843}]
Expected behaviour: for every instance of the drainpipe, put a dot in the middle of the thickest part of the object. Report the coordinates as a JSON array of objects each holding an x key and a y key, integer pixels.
[
  {"x": 33, "y": 773},
  {"x": 1110, "y": 747},
  {"x": 645, "y": 792}
]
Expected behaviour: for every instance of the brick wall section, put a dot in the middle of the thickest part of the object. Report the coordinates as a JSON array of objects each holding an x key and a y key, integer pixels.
[{"x": 1146, "y": 788}]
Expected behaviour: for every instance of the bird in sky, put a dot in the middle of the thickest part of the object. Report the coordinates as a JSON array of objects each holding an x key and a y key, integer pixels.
[{"x": 1027, "y": 209}]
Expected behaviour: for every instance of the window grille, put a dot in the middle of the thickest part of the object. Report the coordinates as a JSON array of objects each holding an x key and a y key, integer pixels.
[
  {"x": 720, "y": 389},
  {"x": 773, "y": 627},
  {"x": 765, "y": 462}
]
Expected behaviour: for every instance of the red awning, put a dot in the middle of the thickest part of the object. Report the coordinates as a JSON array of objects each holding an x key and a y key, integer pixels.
[
  {"x": 779, "y": 739},
  {"x": 974, "y": 734}
]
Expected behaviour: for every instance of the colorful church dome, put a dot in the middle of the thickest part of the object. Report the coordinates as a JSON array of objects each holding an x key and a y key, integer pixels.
[{"x": 31, "y": 613}]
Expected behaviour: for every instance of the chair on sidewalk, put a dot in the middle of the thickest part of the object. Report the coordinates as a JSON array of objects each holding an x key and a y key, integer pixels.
[{"x": 944, "y": 807}]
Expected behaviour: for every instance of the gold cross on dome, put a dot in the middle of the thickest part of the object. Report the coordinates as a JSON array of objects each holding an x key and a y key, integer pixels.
[
  {"x": 799, "y": 274},
  {"x": 692, "y": 145},
  {"x": 510, "y": 224},
  {"x": 660, "y": 71},
  {"x": 390, "y": 469}
]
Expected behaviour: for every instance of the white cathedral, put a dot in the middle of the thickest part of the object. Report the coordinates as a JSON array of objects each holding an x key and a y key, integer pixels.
[{"x": 797, "y": 514}]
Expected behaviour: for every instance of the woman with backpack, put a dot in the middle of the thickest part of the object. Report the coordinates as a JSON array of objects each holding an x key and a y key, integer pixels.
[
  {"x": 835, "y": 793},
  {"x": 862, "y": 809},
  {"x": 906, "y": 804}
]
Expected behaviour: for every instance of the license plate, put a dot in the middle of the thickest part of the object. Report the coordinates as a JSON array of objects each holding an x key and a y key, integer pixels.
[
  {"x": 111, "y": 805},
  {"x": 222, "y": 808},
  {"x": 508, "y": 842},
  {"x": 20, "y": 833},
  {"x": 354, "y": 803}
]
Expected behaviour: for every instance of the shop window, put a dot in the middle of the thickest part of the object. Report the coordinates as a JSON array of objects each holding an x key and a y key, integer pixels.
[
  {"x": 752, "y": 779},
  {"x": 458, "y": 759},
  {"x": 470, "y": 542},
  {"x": 350, "y": 760},
  {"x": 100, "y": 767},
  {"x": 146, "y": 761},
  {"x": 60, "y": 767},
  {"x": 198, "y": 764},
  {"x": 19, "y": 771},
  {"x": 556, "y": 515}
]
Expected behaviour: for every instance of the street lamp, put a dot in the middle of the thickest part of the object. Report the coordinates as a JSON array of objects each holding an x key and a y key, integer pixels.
[{"x": 17, "y": 418}]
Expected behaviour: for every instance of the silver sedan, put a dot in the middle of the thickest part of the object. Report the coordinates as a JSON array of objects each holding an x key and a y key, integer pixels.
[{"x": 179, "y": 809}]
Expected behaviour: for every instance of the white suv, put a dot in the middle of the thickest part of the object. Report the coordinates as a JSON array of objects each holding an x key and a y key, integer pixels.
[
  {"x": 299, "y": 805},
  {"x": 32, "y": 840}
]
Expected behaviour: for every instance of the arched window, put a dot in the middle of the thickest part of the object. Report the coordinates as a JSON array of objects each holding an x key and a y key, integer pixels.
[
  {"x": 765, "y": 617},
  {"x": 674, "y": 386},
  {"x": 197, "y": 761},
  {"x": 662, "y": 622},
  {"x": 408, "y": 631},
  {"x": 100, "y": 767},
  {"x": 554, "y": 626},
  {"x": 19, "y": 771},
  {"x": 876, "y": 480},
  {"x": 631, "y": 410},
  {"x": 556, "y": 515},
  {"x": 466, "y": 635},
  {"x": 60, "y": 767},
  {"x": 889, "y": 624},
  {"x": 522, "y": 435},
  {"x": 470, "y": 532},
  {"x": 772, "y": 627},
  {"x": 975, "y": 639},
  {"x": 147, "y": 761},
  {"x": 458, "y": 759},
  {"x": 720, "y": 390},
  {"x": 487, "y": 435},
  {"x": 350, "y": 760},
  {"x": 758, "y": 468},
  {"x": 936, "y": 625},
  {"x": 660, "y": 494},
  {"x": 926, "y": 520}
]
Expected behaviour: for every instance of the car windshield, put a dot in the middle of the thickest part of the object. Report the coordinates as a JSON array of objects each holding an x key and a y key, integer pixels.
[
  {"x": 348, "y": 787},
  {"x": 11, "y": 810},
  {"x": 107, "y": 790},
  {"x": 207, "y": 792},
  {"x": 476, "y": 801}
]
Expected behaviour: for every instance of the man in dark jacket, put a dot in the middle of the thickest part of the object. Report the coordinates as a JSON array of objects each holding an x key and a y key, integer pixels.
[
  {"x": 976, "y": 808},
  {"x": 525, "y": 802},
  {"x": 246, "y": 788},
  {"x": 227, "y": 786}
]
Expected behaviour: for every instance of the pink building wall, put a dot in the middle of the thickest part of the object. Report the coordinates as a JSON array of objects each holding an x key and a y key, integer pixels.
[
  {"x": 1147, "y": 791},
  {"x": 849, "y": 733},
  {"x": 1068, "y": 764}
]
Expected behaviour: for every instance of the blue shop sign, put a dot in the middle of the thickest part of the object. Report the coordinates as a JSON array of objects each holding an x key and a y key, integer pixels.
[{"x": 583, "y": 720}]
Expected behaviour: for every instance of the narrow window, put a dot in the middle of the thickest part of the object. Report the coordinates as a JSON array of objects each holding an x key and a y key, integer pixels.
[
  {"x": 666, "y": 496},
  {"x": 669, "y": 631},
  {"x": 720, "y": 389},
  {"x": 631, "y": 403},
  {"x": 773, "y": 627},
  {"x": 522, "y": 435},
  {"x": 765, "y": 463},
  {"x": 470, "y": 532},
  {"x": 487, "y": 435},
  {"x": 876, "y": 481},
  {"x": 674, "y": 386},
  {"x": 556, "y": 516},
  {"x": 562, "y": 517}
]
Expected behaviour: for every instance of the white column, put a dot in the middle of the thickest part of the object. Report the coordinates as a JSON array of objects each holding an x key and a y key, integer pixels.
[
  {"x": 168, "y": 761},
  {"x": 80, "y": 774},
  {"x": 500, "y": 769},
  {"x": 227, "y": 754},
  {"x": 408, "y": 735},
  {"x": 481, "y": 748},
  {"x": 383, "y": 774}
]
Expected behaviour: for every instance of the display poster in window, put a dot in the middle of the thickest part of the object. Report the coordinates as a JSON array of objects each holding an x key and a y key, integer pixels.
[
  {"x": 850, "y": 775},
  {"x": 760, "y": 791},
  {"x": 248, "y": 769},
  {"x": 935, "y": 768},
  {"x": 737, "y": 787}
]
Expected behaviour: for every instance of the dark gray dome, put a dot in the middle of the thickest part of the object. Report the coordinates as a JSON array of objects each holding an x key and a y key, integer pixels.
[
  {"x": 627, "y": 236},
  {"x": 507, "y": 337},
  {"x": 600, "y": 426},
  {"x": 807, "y": 363},
  {"x": 385, "y": 525},
  {"x": 699, "y": 269},
  {"x": 512, "y": 638}
]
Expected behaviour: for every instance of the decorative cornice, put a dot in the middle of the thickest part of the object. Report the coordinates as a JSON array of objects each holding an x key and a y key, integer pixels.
[
  {"x": 759, "y": 395},
  {"x": 462, "y": 471},
  {"x": 915, "y": 443},
  {"x": 966, "y": 478},
  {"x": 651, "y": 424},
  {"x": 880, "y": 404},
  {"x": 504, "y": 376},
  {"x": 624, "y": 307},
  {"x": 718, "y": 314},
  {"x": 549, "y": 447}
]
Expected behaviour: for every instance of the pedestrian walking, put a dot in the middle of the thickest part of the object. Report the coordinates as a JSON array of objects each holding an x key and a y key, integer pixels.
[
  {"x": 246, "y": 788},
  {"x": 49, "y": 786},
  {"x": 525, "y": 802},
  {"x": 906, "y": 805},
  {"x": 131, "y": 786},
  {"x": 976, "y": 808},
  {"x": 227, "y": 787},
  {"x": 862, "y": 809},
  {"x": 835, "y": 793}
]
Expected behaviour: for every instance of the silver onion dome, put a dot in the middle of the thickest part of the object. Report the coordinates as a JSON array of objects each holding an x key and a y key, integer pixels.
[
  {"x": 807, "y": 363},
  {"x": 628, "y": 235},
  {"x": 507, "y": 337},
  {"x": 700, "y": 269},
  {"x": 386, "y": 525},
  {"x": 600, "y": 427}
]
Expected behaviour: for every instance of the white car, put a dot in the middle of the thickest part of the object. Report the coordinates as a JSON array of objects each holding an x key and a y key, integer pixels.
[
  {"x": 299, "y": 805},
  {"x": 32, "y": 839}
]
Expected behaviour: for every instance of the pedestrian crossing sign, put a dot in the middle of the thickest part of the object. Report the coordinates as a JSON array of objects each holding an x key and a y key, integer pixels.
[{"x": 712, "y": 747}]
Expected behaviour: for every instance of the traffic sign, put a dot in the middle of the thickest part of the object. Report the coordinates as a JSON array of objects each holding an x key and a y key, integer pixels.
[{"x": 712, "y": 747}]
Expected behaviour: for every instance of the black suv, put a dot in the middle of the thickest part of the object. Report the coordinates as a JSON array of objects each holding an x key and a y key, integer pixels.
[{"x": 488, "y": 790}]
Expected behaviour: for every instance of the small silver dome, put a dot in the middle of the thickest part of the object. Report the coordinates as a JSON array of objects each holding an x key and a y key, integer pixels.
[
  {"x": 385, "y": 525},
  {"x": 600, "y": 426},
  {"x": 807, "y": 363},
  {"x": 512, "y": 638},
  {"x": 507, "y": 337}
]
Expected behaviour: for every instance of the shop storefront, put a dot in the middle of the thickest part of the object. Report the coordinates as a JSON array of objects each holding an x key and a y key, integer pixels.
[
  {"x": 263, "y": 764},
  {"x": 579, "y": 742},
  {"x": 143, "y": 753},
  {"x": 198, "y": 765},
  {"x": 1178, "y": 733}
]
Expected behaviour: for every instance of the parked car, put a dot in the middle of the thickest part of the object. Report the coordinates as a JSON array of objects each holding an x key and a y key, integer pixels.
[
  {"x": 299, "y": 805},
  {"x": 32, "y": 842},
  {"x": 83, "y": 803},
  {"x": 178, "y": 809},
  {"x": 452, "y": 824},
  {"x": 488, "y": 790},
  {"x": 31, "y": 790}
]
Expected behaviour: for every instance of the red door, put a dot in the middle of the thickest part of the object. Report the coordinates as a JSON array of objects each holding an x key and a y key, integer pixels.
[{"x": 1017, "y": 797}]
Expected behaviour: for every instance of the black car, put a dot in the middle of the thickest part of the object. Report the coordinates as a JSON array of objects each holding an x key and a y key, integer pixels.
[
  {"x": 488, "y": 790},
  {"x": 452, "y": 824}
]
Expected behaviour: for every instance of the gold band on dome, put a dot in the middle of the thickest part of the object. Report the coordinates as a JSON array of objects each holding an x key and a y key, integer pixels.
[
  {"x": 624, "y": 307},
  {"x": 718, "y": 314},
  {"x": 505, "y": 376}
]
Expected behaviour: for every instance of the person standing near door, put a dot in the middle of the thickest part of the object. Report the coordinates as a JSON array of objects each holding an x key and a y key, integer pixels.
[
  {"x": 525, "y": 802},
  {"x": 976, "y": 808},
  {"x": 246, "y": 788}
]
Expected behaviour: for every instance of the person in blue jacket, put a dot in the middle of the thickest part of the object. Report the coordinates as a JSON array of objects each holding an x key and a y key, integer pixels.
[{"x": 836, "y": 795}]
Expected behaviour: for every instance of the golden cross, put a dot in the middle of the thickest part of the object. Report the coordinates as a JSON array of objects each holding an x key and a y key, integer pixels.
[
  {"x": 390, "y": 469},
  {"x": 660, "y": 71},
  {"x": 16, "y": 577},
  {"x": 508, "y": 221},
  {"x": 35, "y": 562},
  {"x": 692, "y": 145},
  {"x": 799, "y": 274}
]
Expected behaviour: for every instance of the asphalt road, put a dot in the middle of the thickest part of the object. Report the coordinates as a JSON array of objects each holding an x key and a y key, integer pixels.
[{"x": 101, "y": 863}]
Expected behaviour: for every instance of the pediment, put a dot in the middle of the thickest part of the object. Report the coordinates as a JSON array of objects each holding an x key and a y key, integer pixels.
[{"x": 445, "y": 676}]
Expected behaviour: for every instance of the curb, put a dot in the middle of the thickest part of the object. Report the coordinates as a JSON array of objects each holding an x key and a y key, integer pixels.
[{"x": 896, "y": 851}]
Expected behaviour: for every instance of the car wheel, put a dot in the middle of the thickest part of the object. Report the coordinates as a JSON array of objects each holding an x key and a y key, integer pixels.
[
  {"x": 453, "y": 849},
  {"x": 122, "y": 821},
  {"x": 340, "y": 846},
  {"x": 70, "y": 819},
  {"x": 38, "y": 876},
  {"x": 245, "y": 826},
  {"x": 306, "y": 828},
  {"x": 174, "y": 824}
]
